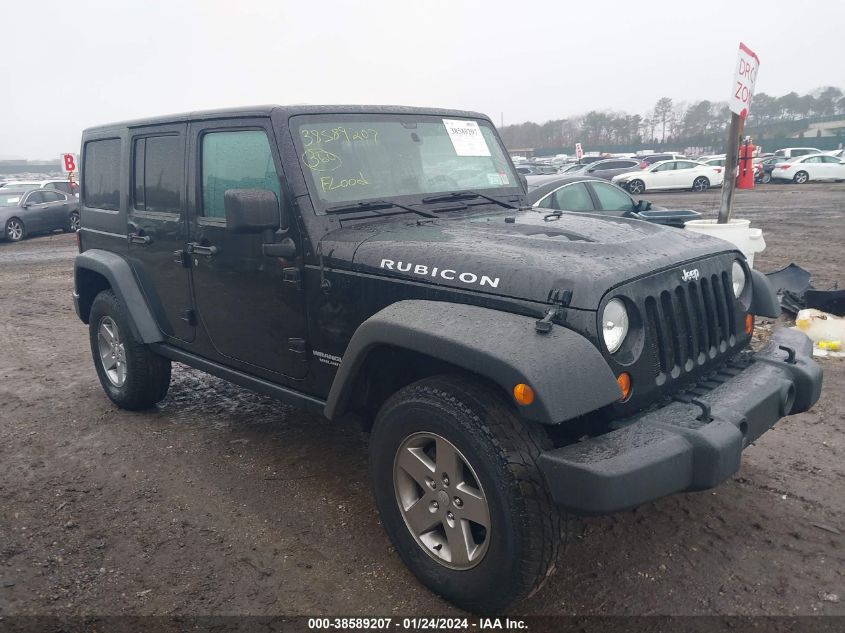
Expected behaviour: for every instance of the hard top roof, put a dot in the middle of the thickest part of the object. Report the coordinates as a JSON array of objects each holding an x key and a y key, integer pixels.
[{"x": 285, "y": 111}]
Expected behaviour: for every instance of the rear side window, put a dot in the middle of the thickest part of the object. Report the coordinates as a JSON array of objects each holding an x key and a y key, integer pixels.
[
  {"x": 51, "y": 196},
  {"x": 235, "y": 160},
  {"x": 159, "y": 163},
  {"x": 59, "y": 186},
  {"x": 612, "y": 198},
  {"x": 573, "y": 197},
  {"x": 101, "y": 174}
]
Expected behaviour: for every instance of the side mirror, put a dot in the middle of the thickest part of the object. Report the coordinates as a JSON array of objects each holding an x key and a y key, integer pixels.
[{"x": 252, "y": 211}]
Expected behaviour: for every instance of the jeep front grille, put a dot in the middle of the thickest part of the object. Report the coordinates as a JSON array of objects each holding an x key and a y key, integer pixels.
[{"x": 689, "y": 325}]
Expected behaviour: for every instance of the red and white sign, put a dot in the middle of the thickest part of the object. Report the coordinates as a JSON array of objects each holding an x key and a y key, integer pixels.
[
  {"x": 579, "y": 151},
  {"x": 745, "y": 76},
  {"x": 70, "y": 163}
]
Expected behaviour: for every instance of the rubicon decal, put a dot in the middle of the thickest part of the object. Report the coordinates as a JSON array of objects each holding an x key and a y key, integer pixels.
[{"x": 449, "y": 274}]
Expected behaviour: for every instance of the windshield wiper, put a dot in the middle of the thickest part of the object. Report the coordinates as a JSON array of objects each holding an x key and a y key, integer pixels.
[
  {"x": 465, "y": 195},
  {"x": 374, "y": 205}
]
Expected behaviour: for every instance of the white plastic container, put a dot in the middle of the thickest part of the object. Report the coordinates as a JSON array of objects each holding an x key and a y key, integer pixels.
[{"x": 737, "y": 232}]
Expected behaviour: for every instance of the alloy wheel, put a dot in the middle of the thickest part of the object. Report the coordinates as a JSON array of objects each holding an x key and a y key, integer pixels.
[
  {"x": 801, "y": 177},
  {"x": 636, "y": 187},
  {"x": 700, "y": 184},
  {"x": 14, "y": 230},
  {"x": 112, "y": 351},
  {"x": 74, "y": 222},
  {"x": 441, "y": 500}
]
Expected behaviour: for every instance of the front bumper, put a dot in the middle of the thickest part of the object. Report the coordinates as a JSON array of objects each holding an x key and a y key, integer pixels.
[{"x": 678, "y": 447}]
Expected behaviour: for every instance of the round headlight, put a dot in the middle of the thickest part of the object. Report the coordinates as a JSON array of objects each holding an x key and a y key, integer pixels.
[
  {"x": 739, "y": 280},
  {"x": 614, "y": 324}
]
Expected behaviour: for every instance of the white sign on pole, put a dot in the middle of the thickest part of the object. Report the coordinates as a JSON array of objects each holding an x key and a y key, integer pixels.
[
  {"x": 745, "y": 77},
  {"x": 70, "y": 163},
  {"x": 579, "y": 151}
]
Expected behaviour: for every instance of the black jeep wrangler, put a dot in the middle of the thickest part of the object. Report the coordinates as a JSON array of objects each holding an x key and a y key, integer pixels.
[{"x": 378, "y": 264}]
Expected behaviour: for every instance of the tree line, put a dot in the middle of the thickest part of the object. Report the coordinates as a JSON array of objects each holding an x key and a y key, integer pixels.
[{"x": 702, "y": 123}]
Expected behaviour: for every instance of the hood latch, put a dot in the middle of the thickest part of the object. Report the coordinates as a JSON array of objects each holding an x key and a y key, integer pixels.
[{"x": 560, "y": 299}]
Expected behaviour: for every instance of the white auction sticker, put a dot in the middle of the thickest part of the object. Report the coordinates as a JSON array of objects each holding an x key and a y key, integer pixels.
[{"x": 466, "y": 138}]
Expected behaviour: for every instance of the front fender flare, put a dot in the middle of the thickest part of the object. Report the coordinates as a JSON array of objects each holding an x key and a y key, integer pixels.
[
  {"x": 118, "y": 273},
  {"x": 568, "y": 374}
]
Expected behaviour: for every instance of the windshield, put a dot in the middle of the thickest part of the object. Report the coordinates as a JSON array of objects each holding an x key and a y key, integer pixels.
[
  {"x": 363, "y": 157},
  {"x": 10, "y": 198}
]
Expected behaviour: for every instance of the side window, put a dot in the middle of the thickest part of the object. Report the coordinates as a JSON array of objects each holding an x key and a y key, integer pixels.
[
  {"x": 36, "y": 197},
  {"x": 683, "y": 164},
  {"x": 51, "y": 196},
  {"x": 159, "y": 165},
  {"x": 573, "y": 198},
  {"x": 59, "y": 186},
  {"x": 101, "y": 174},
  {"x": 612, "y": 198},
  {"x": 235, "y": 160},
  {"x": 812, "y": 159},
  {"x": 665, "y": 167},
  {"x": 829, "y": 159}
]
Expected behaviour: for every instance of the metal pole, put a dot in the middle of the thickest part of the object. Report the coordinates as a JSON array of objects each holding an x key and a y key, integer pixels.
[{"x": 731, "y": 164}]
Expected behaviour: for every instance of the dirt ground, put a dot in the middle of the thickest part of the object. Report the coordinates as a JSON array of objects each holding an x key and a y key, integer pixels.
[{"x": 224, "y": 502}]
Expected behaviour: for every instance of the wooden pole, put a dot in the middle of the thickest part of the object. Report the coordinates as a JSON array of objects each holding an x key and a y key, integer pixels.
[{"x": 731, "y": 167}]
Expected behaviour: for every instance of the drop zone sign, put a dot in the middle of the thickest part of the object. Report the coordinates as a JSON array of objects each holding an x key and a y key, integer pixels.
[{"x": 745, "y": 76}]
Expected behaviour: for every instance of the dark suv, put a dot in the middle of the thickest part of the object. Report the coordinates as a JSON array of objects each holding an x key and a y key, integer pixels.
[{"x": 378, "y": 265}]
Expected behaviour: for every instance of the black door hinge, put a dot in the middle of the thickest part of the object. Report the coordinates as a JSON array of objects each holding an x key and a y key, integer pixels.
[
  {"x": 291, "y": 276},
  {"x": 297, "y": 345},
  {"x": 560, "y": 300},
  {"x": 189, "y": 317},
  {"x": 183, "y": 258}
]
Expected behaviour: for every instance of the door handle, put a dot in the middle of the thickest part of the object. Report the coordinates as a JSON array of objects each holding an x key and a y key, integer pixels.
[
  {"x": 198, "y": 249},
  {"x": 135, "y": 238}
]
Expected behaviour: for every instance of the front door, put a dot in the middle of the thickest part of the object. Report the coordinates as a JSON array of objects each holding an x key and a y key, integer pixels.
[
  {"x": 156, "y": 226},
  {"x": 250, "y": 305},
  {"x": 57, "y": 206},
  {"x": 36, "y": 214}
]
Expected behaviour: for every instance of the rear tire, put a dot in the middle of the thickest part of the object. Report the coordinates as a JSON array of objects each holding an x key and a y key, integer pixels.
[
  {"x": 801, "y": 177},
  {"x": 700, "y": 184},
  {"x": 15, "y": 230},
  {"x": 767, "y": 178},
  {"x": 471, "y": 424},
  {"x": 132, "y": 376},
  {"x": 73, "y": 222},
  {"x": 636, "y": 187}
]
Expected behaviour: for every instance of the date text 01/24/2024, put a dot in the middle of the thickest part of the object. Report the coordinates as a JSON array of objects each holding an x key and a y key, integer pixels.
[{"x": 416, "y": 624}]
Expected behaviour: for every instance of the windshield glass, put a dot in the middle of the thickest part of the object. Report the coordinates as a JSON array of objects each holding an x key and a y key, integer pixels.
[
  {"x": 10, "y": 198},
  {"x": 363, "y": 157}
]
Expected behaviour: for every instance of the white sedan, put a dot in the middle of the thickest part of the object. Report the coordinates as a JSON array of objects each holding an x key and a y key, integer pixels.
[
  {"x": 672, "y": 174},
  {"x": 802, "y": 169}
]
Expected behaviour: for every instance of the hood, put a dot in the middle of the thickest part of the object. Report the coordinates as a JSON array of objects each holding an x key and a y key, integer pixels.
[
  {"x": 627, "y": 175},
  {"x": 520, "y": 255}
]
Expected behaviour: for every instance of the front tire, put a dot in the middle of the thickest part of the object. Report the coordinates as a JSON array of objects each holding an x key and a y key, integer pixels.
[
  {"x": 73, "y": 222},
  {"x": 455, "y": 477},
  {"x": 15, "y": 230},
  {"x": 636, "y": 187},
  {"x": 700, "y": 184},
  {"x": 767, "y": 178},
  {"x": 132, "y": 376},
  {"x": 801, "y": 177}
]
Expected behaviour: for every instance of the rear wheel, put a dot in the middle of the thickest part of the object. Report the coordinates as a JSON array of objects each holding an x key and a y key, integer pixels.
[
  {"x": 700, "y": 184},
  {"x": 15, "y": 230},
  {"x": 636, "y": 187},
  {"x": 455, "y": 477},
  {"x": 132, "y": 376},
  {"x": 73, "y": 222},
  {"x": 801, "y": 177},
  {"x": 767, "y": 178}
]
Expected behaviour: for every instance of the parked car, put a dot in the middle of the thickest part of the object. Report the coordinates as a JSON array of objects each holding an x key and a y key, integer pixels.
[
  {"x": 671, "y": 174},
  {"x": 25, "y": 211},
  {"x": 536, "y": 170},
  {"x": 764, "y": 172},
  {"x": 590, "y": 195},
  {"x": 58, "y": 185},
  {"x": 509, "y": 365},
  {"x": 589, "y": 160},
  {"x": 611, "y": 167},
  {"x": 574, "y": 168},
  {"x": 645, "y": 161},
  {"x": 715, "y": 162},
  {"x": 793, "y": 152},
  {"x": 812, "y": 167}
]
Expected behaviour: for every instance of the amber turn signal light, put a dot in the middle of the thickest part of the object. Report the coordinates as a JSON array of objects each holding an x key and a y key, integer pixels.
[
  {"x": 749, "y": 323},
  {"x": 523, "y": 394},
  {"x": 624, "y": 382}
]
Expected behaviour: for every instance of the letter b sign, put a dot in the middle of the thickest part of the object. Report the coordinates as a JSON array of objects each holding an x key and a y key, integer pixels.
[{"x": 69, "y": 163}]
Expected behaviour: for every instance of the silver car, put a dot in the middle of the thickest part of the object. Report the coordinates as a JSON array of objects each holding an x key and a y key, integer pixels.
[{"x": 24, "y": 211}]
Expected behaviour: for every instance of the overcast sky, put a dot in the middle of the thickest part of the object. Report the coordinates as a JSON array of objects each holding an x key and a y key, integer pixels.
[{"x": 67, "y": 65}]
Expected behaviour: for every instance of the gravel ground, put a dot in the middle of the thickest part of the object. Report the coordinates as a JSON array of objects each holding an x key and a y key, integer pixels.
[{"x": 224, "y": 502}]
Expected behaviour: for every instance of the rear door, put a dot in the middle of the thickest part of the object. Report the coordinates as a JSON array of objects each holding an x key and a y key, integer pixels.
[
  {"x": 58, "y": 209},
  {"x": 250, "y": 305},
  {"x": 35, "y": 211},
  {"x": 157, "y": 225}
]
